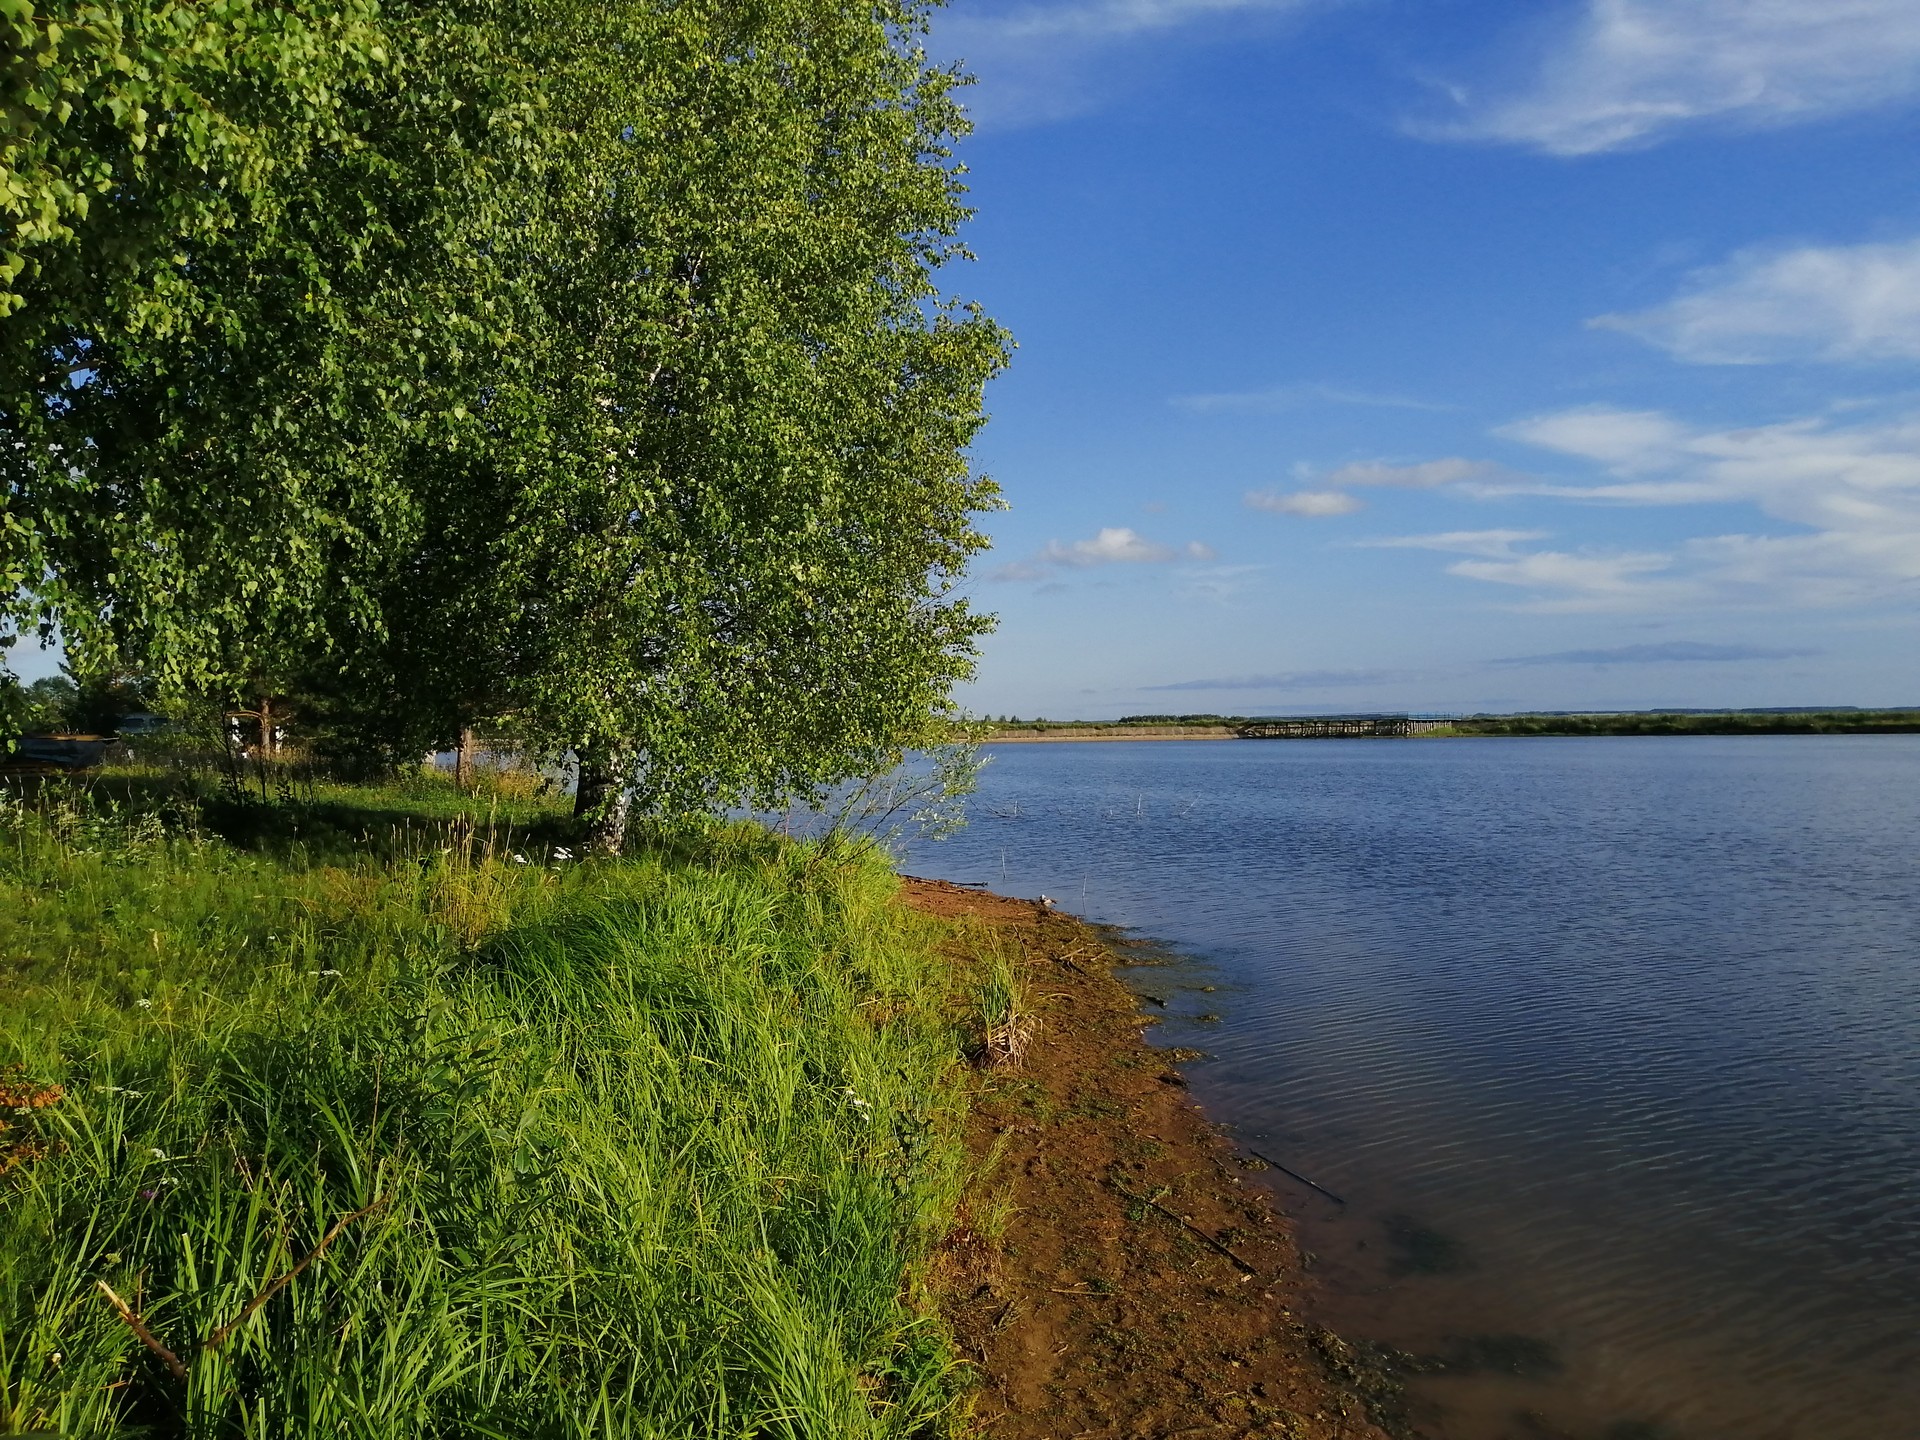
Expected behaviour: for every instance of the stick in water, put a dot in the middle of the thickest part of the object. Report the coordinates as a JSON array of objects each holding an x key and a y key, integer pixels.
[
  {"x": 1284, "y": 1170},
  {"x": 1193, "y": 1229}
]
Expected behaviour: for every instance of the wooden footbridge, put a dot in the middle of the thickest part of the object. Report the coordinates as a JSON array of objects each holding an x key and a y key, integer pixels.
[{"x": 1325, "y": 727}]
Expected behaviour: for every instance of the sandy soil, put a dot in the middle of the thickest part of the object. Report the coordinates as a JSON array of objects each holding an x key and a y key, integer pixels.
[{"x": 1119, "y": 1270}]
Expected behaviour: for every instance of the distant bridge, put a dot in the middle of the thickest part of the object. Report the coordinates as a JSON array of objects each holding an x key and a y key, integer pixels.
[{"x": 1323, "y": 727}]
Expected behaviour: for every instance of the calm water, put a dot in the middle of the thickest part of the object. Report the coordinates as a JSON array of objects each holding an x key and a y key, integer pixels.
[{"x": 1611, "y": 1046}]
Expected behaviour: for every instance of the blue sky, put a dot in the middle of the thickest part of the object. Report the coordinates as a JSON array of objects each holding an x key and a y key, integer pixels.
[{"x": 1448, "y": 354}]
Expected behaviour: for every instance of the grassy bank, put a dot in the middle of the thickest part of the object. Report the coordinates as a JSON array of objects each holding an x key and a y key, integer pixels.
[{"x": 652, "y": 1147}]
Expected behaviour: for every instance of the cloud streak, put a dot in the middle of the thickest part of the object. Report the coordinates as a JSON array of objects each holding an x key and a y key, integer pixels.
[
  {"x": 1113, "y": 545},
  {"x": 1489, "y": 544},
  {"x": 1427, "y": 475},
  {"x": 1096, "y": 20},
  {"x": 1290, "y": 680},
  {"x": 1471, "y": 477},
  {"x": 1039, "y": 62},
  {"x": 1847, "y": 493},
  {"x": 1831, "y": 303},
  {"x": 1280, "y": 398},
  {"x": 1669, "y": 652},
  {"x": 1308, "y": 504},
  {"x": 1629, "y": 73}
]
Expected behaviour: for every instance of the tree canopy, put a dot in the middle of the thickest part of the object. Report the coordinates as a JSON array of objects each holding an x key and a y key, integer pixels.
[
  {"x": 235, "y": 230},
  {"x": 584, "y": 362}
]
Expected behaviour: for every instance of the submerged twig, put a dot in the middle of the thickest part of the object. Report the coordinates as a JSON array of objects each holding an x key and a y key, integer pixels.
[
  {"x": 1195, "y": 1230},
  {"x": 1190, "y": 1228},
  {"x": 1295, "y": 1174}
]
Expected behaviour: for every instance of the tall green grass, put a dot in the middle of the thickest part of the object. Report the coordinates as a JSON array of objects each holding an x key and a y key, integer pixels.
[{"x": 647, "y": 1148}]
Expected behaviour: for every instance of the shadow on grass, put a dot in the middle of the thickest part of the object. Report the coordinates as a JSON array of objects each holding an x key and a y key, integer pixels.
[
  {"x": 322, "y": 820},
  {"x": 411, "y": 818}
]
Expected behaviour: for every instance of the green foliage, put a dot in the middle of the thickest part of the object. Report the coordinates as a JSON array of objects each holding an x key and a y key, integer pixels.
[
  {"x": 924, "y": 798},
  {"x": 238, "y": 233},
  {"x": 50, "y": 703},
  {"x": 579, "y": 363},
  {"x": 646, "y": 1148},
  {"x": 721, "y": 505},
  {"x": 120, "y": 113}
]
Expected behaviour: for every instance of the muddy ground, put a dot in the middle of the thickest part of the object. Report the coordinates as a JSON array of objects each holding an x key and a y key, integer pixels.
[{"x": 1120, "y": 1271}]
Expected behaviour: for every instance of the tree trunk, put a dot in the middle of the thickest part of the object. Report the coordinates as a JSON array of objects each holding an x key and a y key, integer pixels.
[
  {"x": 266, "y": 727},
  {"x": 463, "y": 758},
  {"x": 602, "y": 797}
]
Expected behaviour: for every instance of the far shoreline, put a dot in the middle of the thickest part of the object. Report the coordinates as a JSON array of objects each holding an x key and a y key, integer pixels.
[
  {"x": 1081, "y": 736},
  {"x": 1563, "y": 724}
]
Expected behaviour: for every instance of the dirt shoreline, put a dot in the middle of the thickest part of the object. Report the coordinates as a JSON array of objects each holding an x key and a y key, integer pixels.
[{"x": 1118, "y": 1270}]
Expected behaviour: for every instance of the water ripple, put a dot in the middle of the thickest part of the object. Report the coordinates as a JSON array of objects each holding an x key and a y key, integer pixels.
[{"x": 1624, "y": 1032}]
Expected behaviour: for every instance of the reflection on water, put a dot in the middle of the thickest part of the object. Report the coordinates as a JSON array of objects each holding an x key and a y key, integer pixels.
[{"x": 1612, "y": 1048}]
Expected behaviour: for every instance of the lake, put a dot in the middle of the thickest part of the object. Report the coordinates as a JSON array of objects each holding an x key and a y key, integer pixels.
[{"x": 1610, "y": 1046}]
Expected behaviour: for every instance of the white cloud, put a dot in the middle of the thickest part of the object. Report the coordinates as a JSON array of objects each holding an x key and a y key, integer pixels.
[
  {"x": 1218, "y": 584},
  {"x": 1020, "y": 570},
  {"x": 1279, "y": 398},
  {"x": 1290, "y": 680},
  {"x": 1836, "y": 303},
  {"x": 1585, "y": 581},
  {"x": 1113, "y": 545},
  {"x": 1850, "y": 492},
  {"x": 1312, "y": 504},
  {"x": 1663, "y": 652},
  {"x": 1629, "y": 73},
  {"x": 1117, "y": 545},
  {"x": 1047, "y": 61},
  {"x": 1623, "y": 439},
  {"x": 1491, "y": 543},
  {"x": 1096, "y": 19},
  {"x": 1427, "y": 475},
  {"x": 1809, "y": 472},
  {"x": 1472, "y": 477}
]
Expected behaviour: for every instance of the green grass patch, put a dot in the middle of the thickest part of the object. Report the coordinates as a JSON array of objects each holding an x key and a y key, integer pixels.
[{"x": 654, "y": 1148}]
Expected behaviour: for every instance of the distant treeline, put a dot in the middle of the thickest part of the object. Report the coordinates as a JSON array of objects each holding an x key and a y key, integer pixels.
[
  {"x": 1698, "y": 722},
  {"x": 1836, "y": 720}
]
